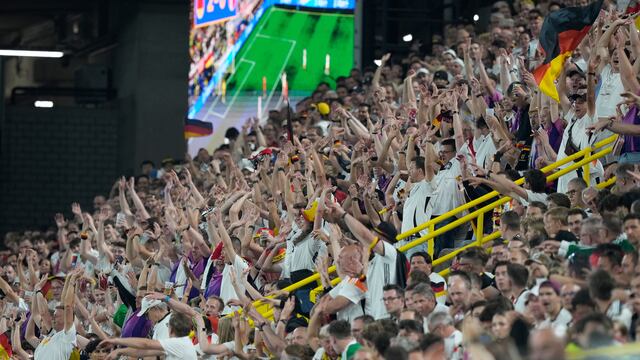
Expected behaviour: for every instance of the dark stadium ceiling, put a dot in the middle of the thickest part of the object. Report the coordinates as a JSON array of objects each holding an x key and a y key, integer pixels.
[{"x": 75, "y": 26}]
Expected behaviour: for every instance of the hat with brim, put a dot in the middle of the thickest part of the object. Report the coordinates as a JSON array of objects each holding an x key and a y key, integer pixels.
[{"x": 148, "y": 303}]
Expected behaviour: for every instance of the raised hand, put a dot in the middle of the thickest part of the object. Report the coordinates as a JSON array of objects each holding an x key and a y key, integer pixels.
[
  {"x": 122, "y": 184},
  {"x": 60, "y": 221},
  {"x": 385, "y": 58},
  {"x": 288, "y": 308},
  {"x": 76, "y": 210}
]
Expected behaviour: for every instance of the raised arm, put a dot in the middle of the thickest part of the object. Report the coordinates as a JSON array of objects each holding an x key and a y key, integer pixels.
[
  {"x": 226, "y": 240},
  {"x": 141, "y": 210},
  {"x": 122, "y": 199},
  {"x": 69, "y": 296},
  {"x": 378, "y": 74},
  {"x": 627, "y": 72},
  {"x": 592, "y": 81},
  {"x": 364, "y": 235}
]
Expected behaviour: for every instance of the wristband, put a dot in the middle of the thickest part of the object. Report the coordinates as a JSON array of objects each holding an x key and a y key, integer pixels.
[
  {"x": 592, "y": 74},
  {"x": 343, "y": 216},
  {"x": 167, "y": 298},
  {"x": 497, "y": 156},
  {"x": 454, "y": 112},
  {"x": 281, "y": 169}
]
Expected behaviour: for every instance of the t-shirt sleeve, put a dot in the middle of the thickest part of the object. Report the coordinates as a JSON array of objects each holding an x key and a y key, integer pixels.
[
  {"x": 390, "y": 253},
  {"x": 70, "y": 335},
  {"x": 239, "y": 264},
  {"x": 349, "y": 291}
]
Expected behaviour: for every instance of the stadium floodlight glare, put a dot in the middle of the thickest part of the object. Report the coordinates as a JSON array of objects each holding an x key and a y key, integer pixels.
[
  {"x": 407, "y": 38},
  {"x": 31, "y": 53},
  {"x": 476, "y": 17},
  {"x": 377, "y": 62},
  {"x": 43, "y": 104}
]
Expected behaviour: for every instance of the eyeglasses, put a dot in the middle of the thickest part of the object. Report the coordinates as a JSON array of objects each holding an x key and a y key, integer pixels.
[{"x": 389, "y": 299}]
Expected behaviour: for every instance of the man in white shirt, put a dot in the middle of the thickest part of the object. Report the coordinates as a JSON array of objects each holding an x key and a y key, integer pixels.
[
  {"x": 575, "y": 137},
  {"x": 341, "y": 339},
  {"x": 557, "y": 317},
  {"x": 421, "y": 261},
  {"x": 177, "y": 347},
  {"x": 441, "y": 324},
  {"x": 61, "y": 343},
  {"x": 447, "y": 193},
  {"x": 601, "y": 285},
  {"x": 382, "y": 263},
  {"x": 345, "y": 300},
  {"x": 424, "y": 302},
  {"x": 518, "y": 276},
  {"x": 417, "y": 209}
]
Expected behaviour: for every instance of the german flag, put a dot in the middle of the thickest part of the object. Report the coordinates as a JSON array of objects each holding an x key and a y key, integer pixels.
[
  {"x": 196, "y": 128},
  {"x": 5, "y": 347},
  {"x": 562, "y": 32}
]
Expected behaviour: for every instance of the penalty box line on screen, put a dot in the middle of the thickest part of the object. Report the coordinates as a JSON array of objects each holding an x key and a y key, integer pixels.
[
  {"x": 235, "y": 95},
  {"x": 246, "y": 51},
  {"x": 284, "y": 64}
]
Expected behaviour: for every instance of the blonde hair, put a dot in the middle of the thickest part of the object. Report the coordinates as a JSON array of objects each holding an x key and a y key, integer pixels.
[{"x": 226, "y": 331}]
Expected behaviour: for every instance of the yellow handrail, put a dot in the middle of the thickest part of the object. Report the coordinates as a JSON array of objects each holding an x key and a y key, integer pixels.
[
  {"x": 587, "y": 158},
  {"x": 493, "y": 194}
]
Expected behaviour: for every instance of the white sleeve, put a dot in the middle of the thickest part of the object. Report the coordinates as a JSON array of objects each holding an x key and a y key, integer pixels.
[
  {"x": 390, "y": 253},
  {"x": 349, "y": 291},
  {"x": 70, "y": 335},
  {"x": 239, "y": 264}
]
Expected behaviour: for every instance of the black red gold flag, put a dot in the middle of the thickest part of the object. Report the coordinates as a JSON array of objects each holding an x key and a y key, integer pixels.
[
  {"x": 561, "y": 33},
  {"x": 196, "y": 128}
]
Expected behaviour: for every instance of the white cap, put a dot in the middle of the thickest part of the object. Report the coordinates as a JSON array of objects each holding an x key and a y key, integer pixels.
[
  {"x": 246, "y": 164},
  {"x": 148, "y": 303}
]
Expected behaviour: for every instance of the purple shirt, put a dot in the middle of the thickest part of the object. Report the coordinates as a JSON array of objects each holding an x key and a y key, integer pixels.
[
  {"x": 136, "y": 326},
  {"x": 631, "y": 143},
  {"x": 197, "y": 267},
  {"x": 555, "y": 134},
  {"x": 213, "y": 288}
]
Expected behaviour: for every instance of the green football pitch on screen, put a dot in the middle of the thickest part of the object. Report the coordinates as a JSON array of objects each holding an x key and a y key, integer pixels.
[{"x": 277, "y": 44}]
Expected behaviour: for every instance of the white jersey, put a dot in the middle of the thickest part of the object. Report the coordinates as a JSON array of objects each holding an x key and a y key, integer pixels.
[{"x": 381, "y": 272}]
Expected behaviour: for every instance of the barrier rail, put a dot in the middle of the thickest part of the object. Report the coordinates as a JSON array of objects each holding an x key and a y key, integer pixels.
[{"x": 587, "y": 156}]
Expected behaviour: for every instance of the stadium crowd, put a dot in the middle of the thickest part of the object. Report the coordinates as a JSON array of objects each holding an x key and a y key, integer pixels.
[{"x": 172, "y": 261}]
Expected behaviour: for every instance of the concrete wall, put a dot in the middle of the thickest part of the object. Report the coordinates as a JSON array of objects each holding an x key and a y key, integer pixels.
[{"x": 52, "y": 157}]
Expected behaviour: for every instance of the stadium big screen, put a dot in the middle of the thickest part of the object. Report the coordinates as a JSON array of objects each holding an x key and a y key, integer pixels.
[{"x": 235, "y": 45}]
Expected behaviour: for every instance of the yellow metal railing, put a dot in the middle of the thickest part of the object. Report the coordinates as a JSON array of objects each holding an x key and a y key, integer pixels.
[{"x": 587, "y": 156}]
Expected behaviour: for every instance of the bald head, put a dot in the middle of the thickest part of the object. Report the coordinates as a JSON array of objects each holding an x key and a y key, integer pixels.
[
  {"x": 350, "y": 260},
  {"x": 544, "y": 344},
  {"x": 299, "y": 336}
]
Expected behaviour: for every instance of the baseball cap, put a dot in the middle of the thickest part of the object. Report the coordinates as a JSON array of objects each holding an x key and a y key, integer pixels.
[
  {"x": 387, "y": 230},
  {"x": 148, "y": 303},
  {"x": 441, "y": 75},
  {"x": 576, "y": 72}
]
